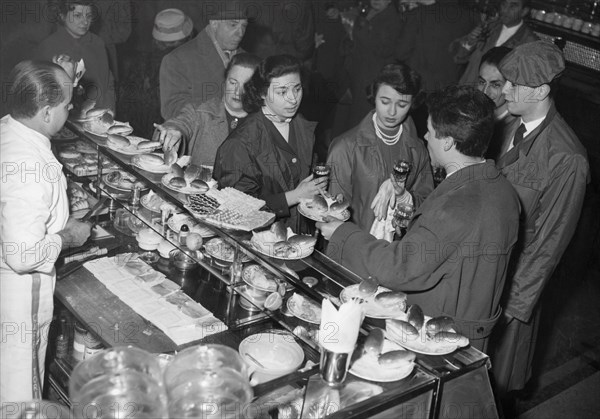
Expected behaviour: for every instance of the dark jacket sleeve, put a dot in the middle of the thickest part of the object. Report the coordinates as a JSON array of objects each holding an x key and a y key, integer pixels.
[
  {"x": 397, "y": 265},
  {"x": 560, "y": 207},
  {"x": 175, "y": 87},
  {"x": 187, "y": 121}
]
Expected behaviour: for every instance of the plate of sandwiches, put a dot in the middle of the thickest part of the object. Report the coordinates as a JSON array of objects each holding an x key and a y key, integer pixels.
[
  {"x": 319, "y": 208},
  {"x": 132, "y": 145},
  {"x": 100, "y": 122}
]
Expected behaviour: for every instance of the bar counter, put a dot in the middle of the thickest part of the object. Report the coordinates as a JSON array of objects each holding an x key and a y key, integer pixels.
[{"x": 452, "y": 385}]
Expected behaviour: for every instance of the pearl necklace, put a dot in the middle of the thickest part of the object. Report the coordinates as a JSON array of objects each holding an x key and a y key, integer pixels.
[{"x": 387, "y": 139}]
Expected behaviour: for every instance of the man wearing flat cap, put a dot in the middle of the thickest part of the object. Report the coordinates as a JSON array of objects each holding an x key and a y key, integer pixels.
[
  {"x": 196, "y": 70},
  {"x": 548, "y": 167}
]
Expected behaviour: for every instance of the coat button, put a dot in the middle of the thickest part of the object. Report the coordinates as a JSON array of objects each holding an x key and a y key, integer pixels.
[{"x": 294, "y": 160}]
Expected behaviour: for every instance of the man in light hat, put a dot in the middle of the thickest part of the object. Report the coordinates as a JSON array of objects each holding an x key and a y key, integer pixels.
[
  {"x": 548, "y": 167},
  {"x": 139, "y": 90},
  {"x": 196, "y": 70}
]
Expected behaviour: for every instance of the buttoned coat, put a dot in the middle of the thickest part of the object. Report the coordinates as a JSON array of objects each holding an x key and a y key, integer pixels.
[{"x": 257, "y": 160}]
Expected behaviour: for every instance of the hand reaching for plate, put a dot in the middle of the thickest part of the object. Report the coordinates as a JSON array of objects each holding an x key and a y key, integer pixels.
[{"x": 170, "y": 138}]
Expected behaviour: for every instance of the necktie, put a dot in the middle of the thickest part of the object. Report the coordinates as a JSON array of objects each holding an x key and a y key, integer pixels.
[{"x": 519, "y": 134}]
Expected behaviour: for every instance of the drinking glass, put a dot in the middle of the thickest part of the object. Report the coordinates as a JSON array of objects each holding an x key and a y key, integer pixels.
[
  {"x": 402, "y": 216},
  {"x": 401, "y": 170}
]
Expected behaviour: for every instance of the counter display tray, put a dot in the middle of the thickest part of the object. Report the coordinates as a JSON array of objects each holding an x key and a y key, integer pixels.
[
  {"x": 132, "y": 149},
  {"x": 367, "y": 367},
  {"x": 304, "y": 309},
  {"x": 222, "y": 251},
  {"x": 421, "y": 344},
  {"x": 372, "y": 309}
]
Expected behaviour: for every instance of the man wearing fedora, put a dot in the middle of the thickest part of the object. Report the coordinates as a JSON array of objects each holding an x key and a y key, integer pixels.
[
  {"x": 548, "y": 167},
  {"x": 196, "y": 70}
]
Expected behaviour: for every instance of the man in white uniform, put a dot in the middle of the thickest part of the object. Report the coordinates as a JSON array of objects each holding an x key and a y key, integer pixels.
[{"x": 34, "y": 222}]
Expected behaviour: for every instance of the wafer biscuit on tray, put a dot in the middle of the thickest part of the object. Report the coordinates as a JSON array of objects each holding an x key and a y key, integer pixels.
[{"x": 229, "y": 208}]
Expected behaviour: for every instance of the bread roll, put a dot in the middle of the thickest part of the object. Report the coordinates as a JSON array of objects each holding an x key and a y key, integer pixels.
[
  {"x": 199, "y": 185},
  {"x": 151, "y": 160},
  {"x": 148, "y": 145},
  {"x": 192, "y": 172},
  {"x": 302, "y": 240},
  {"x": 96, "y": 112},
  {"x": 118, "y": 141},
  {"x": 178, "y": 182},
  {"x": 176, "y": 170},
  {"x": 69, "y": 154},
  {"x": 120, "y": 129},
  {"x": 279, "y": 230},
  {"x": 318, "y": 203}
]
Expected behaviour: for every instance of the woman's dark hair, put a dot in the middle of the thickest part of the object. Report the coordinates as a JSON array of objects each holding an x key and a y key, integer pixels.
[
  {"x": 494, "y": 56},
  {"x": 33, "y": 85},
  {"x": 65, "y": 6},
  {"x": 243, "y": 59},
  {"x": 465, "y": 114},
  {"x": 270, "y": 68},
  {"x": 402, "y": 78}
]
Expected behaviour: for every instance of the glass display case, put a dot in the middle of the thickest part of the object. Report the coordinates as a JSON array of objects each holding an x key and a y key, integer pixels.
[{"x": 217, "y": 299}]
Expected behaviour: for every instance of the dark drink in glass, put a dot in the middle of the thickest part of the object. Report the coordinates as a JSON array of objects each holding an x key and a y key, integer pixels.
[
  {"x": 402, "y": 216},
  {"x": 401, "y": 169},
  {"x": 321, "y": 170}
]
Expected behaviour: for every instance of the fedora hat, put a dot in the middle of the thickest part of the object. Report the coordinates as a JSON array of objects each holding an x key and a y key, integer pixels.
[{"x": 171, "y": 25}]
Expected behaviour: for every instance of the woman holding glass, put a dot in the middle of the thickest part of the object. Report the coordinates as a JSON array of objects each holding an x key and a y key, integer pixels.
[
  {"x": 269, "y": 154},
  {"x": 363, "y": 158}
]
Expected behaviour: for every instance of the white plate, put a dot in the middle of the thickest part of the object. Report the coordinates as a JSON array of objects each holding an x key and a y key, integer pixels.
[
  {"x": 368, "y": 368},
  {"x": 177, "y": 220},
  {"x": 152, "y": 168},
  {"x": 185, "y": 190},
  {"x": 318, "y": 216},
  {"x": 120, "y": 188},
  {"x": 278, "y": 353},
  {"x": 304, "y": 309},
  {"x": 221, "y": 250},
  {"x": 267, "y": 250},
  {"x": 371, "y": 308},
  {"x": 248, "y": 274},
  {"x": 131, "y": 149},
  {"x": 421, "y": 344},
  {"x": 144, "y": 200}
]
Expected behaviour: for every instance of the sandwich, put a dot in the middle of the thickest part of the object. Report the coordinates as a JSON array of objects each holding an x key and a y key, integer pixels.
[
  {"x": 118, "y": 141},
  {"x": 121, "y": 129},
  {"x": 148, "y": 146}
]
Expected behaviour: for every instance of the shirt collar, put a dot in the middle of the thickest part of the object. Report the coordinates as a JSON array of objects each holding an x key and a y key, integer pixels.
[
  {"x": 531, "y": 125},
  {"x": 272, "y": 117},
  {"x": 512, "y": 29}
]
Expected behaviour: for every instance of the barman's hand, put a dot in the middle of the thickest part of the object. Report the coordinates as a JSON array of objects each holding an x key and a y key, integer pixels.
[
  {"x": 386, "y": 197},
  {"x": 169, "y": 137},
  {"x": 75, "y": 233},
  {"x": 328, "y": 227}
]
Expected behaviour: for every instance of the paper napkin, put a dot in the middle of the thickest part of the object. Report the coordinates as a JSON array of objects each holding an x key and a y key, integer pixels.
[{"x": 338, "y": 331}]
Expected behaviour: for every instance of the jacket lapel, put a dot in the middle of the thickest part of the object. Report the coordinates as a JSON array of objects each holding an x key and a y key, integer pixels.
[{"x": 513, "y": 154}]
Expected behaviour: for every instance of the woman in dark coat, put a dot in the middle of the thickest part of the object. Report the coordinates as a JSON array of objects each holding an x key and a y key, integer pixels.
[{"x": 269, "y": 155}]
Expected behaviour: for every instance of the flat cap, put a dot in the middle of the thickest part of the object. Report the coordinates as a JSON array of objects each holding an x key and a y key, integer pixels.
[{"x": 533, "y": 64}]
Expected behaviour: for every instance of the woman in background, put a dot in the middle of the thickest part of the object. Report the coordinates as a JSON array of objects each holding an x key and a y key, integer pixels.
[
  {"x": 206, "y": 125},
  {"x": 363, "y": 158},
  {"x": 73, "y": 38},
  {"x": 269, "y": 155}
]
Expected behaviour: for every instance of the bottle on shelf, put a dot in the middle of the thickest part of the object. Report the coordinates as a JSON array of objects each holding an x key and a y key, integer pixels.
[
  {"x": 62, "y": 341},
  {"x": 183, "y": 233}
]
